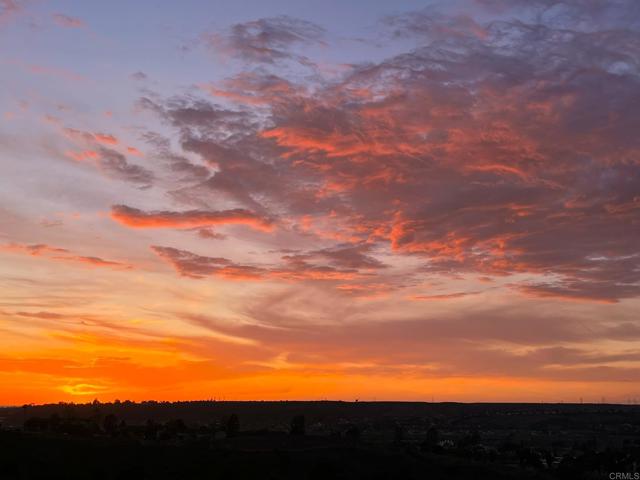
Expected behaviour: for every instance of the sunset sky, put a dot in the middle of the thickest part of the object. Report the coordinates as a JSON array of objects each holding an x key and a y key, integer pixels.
[{"x": 250, "y": 199}]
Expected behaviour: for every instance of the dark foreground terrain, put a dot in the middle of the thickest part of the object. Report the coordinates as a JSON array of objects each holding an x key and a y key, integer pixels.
[{"x": 319, "y": 440}]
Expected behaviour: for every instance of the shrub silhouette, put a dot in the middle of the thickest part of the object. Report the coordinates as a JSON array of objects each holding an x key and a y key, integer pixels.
[
  {"x": 297, "y": 425},
  {"x": 233, "y": 426},
  {"x": 110, "y": 424}
]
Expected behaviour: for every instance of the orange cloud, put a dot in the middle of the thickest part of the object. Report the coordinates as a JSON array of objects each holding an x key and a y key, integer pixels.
[
  {"x": 99, "y": 148},
  {"x": 35, "y": 250},
  {"x": 444, "y": 296},
  {"x": 106, "y": 138},
  {"x": 135, "y": 218},
  {"x": 62, "y": 254},
  {"x": 98, "y": 262},
  {"x": 83, "y": 155},
  {"x": 134, "y": 151}
]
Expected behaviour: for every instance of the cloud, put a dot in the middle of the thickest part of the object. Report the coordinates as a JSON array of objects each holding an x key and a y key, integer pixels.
[
  {"x": 115, "y": 164},
  {"x": 209, "y": 234},
  {"x": 433, "y": 25},
  {"x": 350, "y": 256},
  {"x": 99, "y": 262},
  {"x": 253, "y": 89},
  {"x": 443, "y": 296},
  {"x": 490, "y": 149},
  {"x": 192, "y": 112},
  {"x": 41, "y": 315},
  {"x": 9, "y": 8},
  {"x": 340, "y": 263},
  {"x": 175, "y": 163},
  {"x": 297, "y": 267},
  {"x": 293, "y": 268},
  {"x": 497, "y": 144},
  {"x": 494, "y": 164},
  {"x": 266, "y": 40},
  {"x": 99, "y": 149},
  {"x": 573, "y": 14},
  {"x": 132, "y": 217},
  {"x": 140, "y": 76},
  {"x": 192, "y": 265},
  {"x": 595, "y": 291},
  {"x": 47, "y": 71},
  {"x": 105, "y": 139},
  {"x": 491, "y": 342},
  {"x": 67, "y": 21},
  {"x": 34, "y": 250},
  {"x": 61, "y": 254}
]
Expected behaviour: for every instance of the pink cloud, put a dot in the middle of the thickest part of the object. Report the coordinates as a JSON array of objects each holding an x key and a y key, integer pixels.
[{"x": 67, "y": 21}]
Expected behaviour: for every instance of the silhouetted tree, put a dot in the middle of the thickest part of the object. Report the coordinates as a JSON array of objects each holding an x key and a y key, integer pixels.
[
  {"x": 151, "y": 430},
  {"x": 172, "y": 429},
  {"x": 54, "y": 422},
  {"x": 353, "y": 433},
  {"x": 298, "y": 425},
  {"x": 69, "y": 411},
  {"x": 398, "y": 434},
  {"x": 110, "y": 424},
  {"x": 431, "y": 439},
  {"x": 433, "y": 436},
  {"x": 471, "y": 439},
  {"x": 36, "y": 424},
  {"x": 233, "y": 426}
]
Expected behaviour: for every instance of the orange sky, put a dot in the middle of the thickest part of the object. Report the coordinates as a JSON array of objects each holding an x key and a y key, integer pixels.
[{"x": 433, "y": 204}]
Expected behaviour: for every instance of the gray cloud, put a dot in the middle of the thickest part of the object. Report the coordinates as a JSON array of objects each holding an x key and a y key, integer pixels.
[
  {"x": 115, "y": 164},
  {"x": 266, "y": 40}
]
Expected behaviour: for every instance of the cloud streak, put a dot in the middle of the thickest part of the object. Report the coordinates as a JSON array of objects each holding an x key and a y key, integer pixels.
[
  {"x": 99, "y": 149},
  {"x": 67, "y": 21},
  {"x": 135, "y": 218},
  {"x": 189, "y": 264},
  {"x": 62, "y": 254}
]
